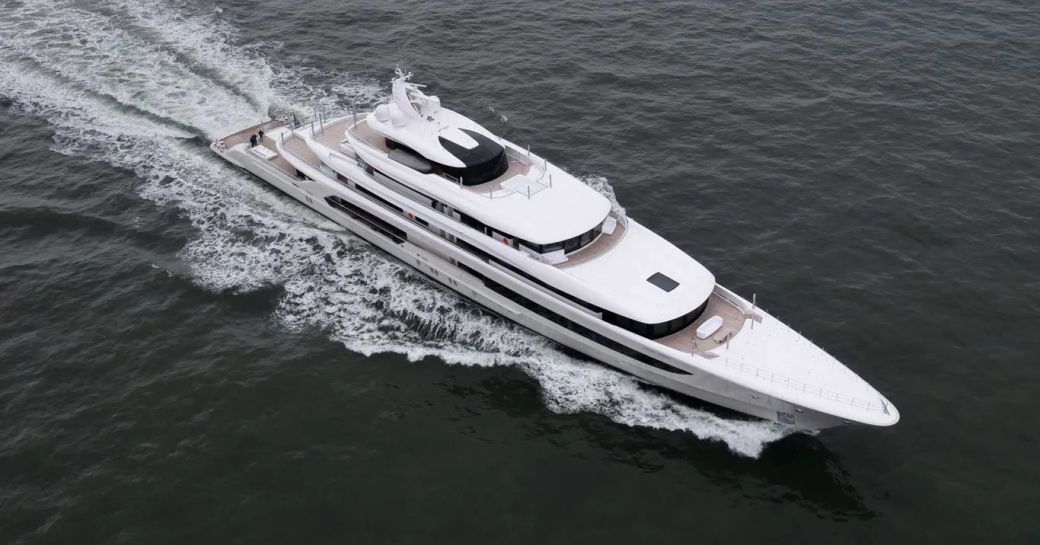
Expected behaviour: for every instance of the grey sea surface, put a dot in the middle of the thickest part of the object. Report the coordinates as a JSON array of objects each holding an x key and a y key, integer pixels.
[{"x": 188, "y": 356}]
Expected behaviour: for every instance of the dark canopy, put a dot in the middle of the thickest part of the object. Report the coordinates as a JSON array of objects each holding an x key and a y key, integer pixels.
[{"x": 484, "y": 162}]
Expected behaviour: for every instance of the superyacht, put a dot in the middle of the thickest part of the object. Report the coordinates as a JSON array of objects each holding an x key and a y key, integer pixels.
[{"x": 509, "y": 230}]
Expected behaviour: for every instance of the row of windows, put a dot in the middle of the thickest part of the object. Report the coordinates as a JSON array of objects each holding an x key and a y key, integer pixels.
[
  {"x": 379, "y": 199},
  {"x": 567, "y": 246},
  {"x": 570, "y": 325},
  {"x": 390, "y": 231},
  {"x": 650, "y": 331},
  {"x": 656, "y": 331},
  {"x": 398, "y": 236},
  {"x": 555, "y": 290},
  {"x": 484, "y": 256}
]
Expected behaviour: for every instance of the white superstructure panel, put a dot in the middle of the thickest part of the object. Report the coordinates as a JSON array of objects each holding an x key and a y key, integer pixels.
[
  {"x": 620, "y": 276},
  {"x": 565, "y": 210}
]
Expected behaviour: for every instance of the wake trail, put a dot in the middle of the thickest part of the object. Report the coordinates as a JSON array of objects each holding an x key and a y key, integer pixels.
[
  {"x": 131, "y": 82},
  {"x": 203, "y": 44},
  {"x": 99, "y": 54}
]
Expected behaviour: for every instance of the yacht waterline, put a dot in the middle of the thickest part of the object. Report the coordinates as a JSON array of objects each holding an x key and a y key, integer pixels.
[{"x": 511, "y": 231}]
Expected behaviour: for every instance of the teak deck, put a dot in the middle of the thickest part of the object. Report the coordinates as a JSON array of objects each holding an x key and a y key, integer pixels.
[
  {"x": 242, "y": 137},
  {"x": 732, "y": 322}
]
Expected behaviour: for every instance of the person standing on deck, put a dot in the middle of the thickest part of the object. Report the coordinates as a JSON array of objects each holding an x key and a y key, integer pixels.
[
  {"x": 252, "y": 140},
  {"x": 261, "y": 134}
]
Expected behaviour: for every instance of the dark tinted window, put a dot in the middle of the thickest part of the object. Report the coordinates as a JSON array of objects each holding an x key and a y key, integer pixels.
[
  {"x": 572, "y": 326},
  {"x": 569, "y": 245},
  {"x": 655, "y": 331},
  {"x": 378, "y": 199},
  {"x": 373, "y": 221}
]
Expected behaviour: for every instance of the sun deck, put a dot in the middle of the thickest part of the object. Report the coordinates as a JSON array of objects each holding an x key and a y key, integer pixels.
[{"x": 517, "y": 166}]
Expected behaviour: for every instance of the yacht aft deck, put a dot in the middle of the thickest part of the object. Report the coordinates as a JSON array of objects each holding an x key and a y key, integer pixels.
[
  {"x": 275, "y": 132},
  {"x": 242, "y": 137}
]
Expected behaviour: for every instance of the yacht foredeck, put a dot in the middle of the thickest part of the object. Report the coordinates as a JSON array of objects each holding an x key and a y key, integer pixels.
[{"x": 732, "y": 322}]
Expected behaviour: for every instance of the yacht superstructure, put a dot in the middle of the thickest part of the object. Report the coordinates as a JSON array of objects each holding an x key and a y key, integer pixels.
[{"x": 518, "y": 235}]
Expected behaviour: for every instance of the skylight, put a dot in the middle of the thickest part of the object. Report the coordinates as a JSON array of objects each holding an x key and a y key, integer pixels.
[{"x": 662, "y": 281}]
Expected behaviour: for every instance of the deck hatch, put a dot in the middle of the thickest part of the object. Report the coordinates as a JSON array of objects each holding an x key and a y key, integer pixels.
[{"x": 662, "y": 281}]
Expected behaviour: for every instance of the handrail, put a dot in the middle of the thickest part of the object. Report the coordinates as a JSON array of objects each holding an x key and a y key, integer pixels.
[
  {"x": 726, "y": 360},
  {"x": 797, "y": 385}
]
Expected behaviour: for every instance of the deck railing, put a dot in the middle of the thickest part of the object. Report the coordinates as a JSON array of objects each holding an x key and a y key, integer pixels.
[
  {"x": 776, "y": 378},
  {"x": 739, "y": 364}
]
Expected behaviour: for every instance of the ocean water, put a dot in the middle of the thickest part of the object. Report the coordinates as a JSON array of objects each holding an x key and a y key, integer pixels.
[{"x": 189, "y": 356}]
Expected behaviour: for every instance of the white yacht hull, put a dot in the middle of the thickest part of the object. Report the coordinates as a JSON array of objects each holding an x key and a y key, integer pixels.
[{"x": 431, "y": 256}]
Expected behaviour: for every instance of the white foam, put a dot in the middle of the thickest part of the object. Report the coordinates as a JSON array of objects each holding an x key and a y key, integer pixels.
[
  {"x": 600, "y": 184},
  {"x": 98, "y": 54},
  {"x": 127, "y": 100},
  {"x": 66, "y": 106},
  {"x": 205, "y": 40}
]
